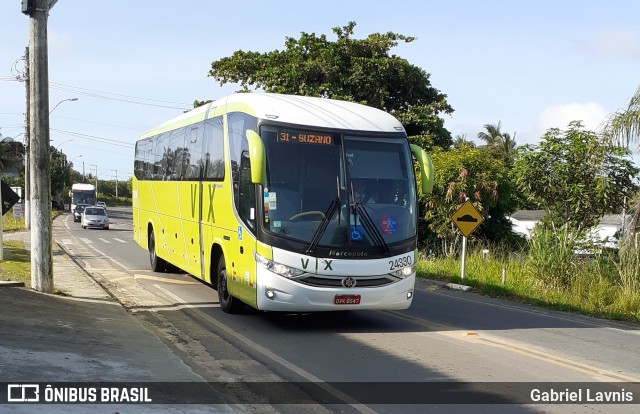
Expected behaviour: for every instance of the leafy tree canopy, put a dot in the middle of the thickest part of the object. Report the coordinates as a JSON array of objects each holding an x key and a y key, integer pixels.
[
  {"x": 575, "y": 176},
  {"x": 466, "y": 173},
  {"x": 358, "y": 70}
]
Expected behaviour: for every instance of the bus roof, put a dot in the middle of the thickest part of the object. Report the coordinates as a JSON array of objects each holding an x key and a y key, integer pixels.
[
  {"x": 302, "y": 110},
  {"x": 83, "y": 187}
]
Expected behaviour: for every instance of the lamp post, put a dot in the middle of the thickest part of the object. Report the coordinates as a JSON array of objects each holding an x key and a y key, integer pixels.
[
  {"x": 62, "y": 159},
  {"x": 96, "y": 167},
  {"x": 116, "y": 171},
  {"x": 64, "y": 100},
  {"x": 60, "y": 144},
  {"x": 27, "y": 174}
]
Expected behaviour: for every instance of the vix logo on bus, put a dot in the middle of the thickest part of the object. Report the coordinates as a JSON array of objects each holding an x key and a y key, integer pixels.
[
  {"x": 194, "y": 202},
  {"x": 325, "y": 262}
]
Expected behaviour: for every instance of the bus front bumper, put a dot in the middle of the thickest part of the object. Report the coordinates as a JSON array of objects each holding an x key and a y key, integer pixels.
[{"x": 277, "y": 293}]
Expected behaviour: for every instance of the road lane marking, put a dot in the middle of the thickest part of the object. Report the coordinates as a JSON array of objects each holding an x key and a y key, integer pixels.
[
  {"x": 120, "y": 240},
  {"x": 166, "y": 280},
  {"x": 597, "y": 373},
  {"x": 104, "y": 240},
  {"x": 87, "y": 241},
  {"x": 459, "y": 334},
  {"x": 277, "y": 359}
]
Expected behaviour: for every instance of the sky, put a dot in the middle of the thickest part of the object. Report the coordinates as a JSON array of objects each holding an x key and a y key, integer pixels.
[{"x": 135, "y": 64}]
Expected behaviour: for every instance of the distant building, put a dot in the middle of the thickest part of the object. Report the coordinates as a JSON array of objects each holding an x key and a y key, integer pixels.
[{"x": 607, "y": 230}]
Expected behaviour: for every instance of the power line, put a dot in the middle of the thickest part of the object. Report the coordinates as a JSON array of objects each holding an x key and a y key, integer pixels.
[
  {"x": 99, "y": 123},
  {"x": 110, "y": 96},
  {"x": 119, "y": 97},
  {"x": 93, "y": 137}
]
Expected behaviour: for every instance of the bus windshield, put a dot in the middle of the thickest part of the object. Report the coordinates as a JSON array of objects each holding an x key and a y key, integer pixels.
[
  {"x": 338, "y": 190},
  {"x": 83, "y": 197}
]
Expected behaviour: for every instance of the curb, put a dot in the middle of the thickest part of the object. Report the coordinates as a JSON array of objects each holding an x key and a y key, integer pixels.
[
  {"x": 11, "y": 284},
  {"x": 447, "y": 285}
]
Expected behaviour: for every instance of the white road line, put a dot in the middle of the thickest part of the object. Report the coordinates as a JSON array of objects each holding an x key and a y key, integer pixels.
[
  {"x": 120, "y": 240},
  {"x": 107, "y": 257},
  {"x": 87, "y": 241},
  {"x": 104, "y": 240},
  {"x": 264, "y": 351},
  {"x": 67, "y": 241}
]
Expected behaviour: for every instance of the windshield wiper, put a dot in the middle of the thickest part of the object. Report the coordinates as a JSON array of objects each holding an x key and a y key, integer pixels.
[
  {"x": 325, "y": 221},
  {"x": 371, "y": 227},
  {"x": 323, "y": 225}
]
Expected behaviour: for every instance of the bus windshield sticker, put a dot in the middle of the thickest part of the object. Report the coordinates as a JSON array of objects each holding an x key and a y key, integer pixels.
[
  {"x": 239, "y": 232},
  {"x": 389, "y": 224},
  {"x": 355, "y": 233},
  {"x": 292, "y": 136},
  {"x": 273, "y": 205}
]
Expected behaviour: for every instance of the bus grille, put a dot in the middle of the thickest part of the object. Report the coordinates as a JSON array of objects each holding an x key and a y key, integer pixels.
[{"x": 320, "y": 281}]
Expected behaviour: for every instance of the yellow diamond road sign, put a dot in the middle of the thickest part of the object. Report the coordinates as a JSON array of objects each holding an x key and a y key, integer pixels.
[{"x": 467, "y": 218}]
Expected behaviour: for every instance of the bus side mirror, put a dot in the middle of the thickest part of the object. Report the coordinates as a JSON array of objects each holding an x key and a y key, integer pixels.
[
  {"x": 426, "y": 168},
  {"x": 257, "y": 158}
]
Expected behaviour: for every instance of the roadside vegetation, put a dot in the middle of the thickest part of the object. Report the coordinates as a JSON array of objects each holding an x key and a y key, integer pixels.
[
  {"x": 16, "y": 266},
  {"x": 604, "y": 284}
]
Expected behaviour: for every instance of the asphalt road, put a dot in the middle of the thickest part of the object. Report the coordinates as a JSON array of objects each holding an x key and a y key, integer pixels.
[{"x": 447, "y": 336}]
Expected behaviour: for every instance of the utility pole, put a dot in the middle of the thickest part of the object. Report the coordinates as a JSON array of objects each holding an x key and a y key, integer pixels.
[
  {"x": 27, "y": 178},
  {"x": 40, "y": 179},
  {"x": 116, "y": 171}
]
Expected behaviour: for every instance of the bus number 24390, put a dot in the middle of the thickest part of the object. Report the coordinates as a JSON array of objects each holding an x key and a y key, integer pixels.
[{"x": 400, "y": 262}]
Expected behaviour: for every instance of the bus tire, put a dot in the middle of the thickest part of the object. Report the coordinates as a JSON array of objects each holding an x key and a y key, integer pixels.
[
  {"x": 228, "y": 303},
  {"x": 157, "y": 264}
]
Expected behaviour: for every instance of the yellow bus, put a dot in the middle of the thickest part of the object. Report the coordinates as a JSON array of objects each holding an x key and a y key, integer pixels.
[{"x": 283, "y": 203}]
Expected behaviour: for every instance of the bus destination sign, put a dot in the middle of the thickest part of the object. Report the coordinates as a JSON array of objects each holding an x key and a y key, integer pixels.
[{"x": 305, "y": 137}]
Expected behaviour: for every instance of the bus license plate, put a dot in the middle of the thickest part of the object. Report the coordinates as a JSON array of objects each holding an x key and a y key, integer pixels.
[{"x": 347, "y": 300}]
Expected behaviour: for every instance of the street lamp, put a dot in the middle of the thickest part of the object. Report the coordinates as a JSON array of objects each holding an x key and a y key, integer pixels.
[
  {"x": 77, "y": 156},
  {"x": 64, "y": 100},
  {"x": 27, "y": 174}
]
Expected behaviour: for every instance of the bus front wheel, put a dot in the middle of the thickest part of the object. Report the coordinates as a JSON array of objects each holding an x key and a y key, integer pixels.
[
  {"x": 157, "y": 264},
  {"x": 228, "y": 303}
]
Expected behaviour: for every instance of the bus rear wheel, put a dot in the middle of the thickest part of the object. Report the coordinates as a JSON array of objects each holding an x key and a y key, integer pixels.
[
  {"x": 157, "y": 264},
  {"x": 228, "y": 303}
]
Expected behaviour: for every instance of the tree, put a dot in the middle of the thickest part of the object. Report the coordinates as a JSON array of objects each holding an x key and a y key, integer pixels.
[
  {"x": 467, "y": 173},
  {"x": 461, "y": 140},
  {"x": 348, "y": 69},
  {"x": 501, "y": 142},
  {"x": 623, "y": 127},
  {"x": 60, "y": 173},
  {"x": 575, "y": 176}
]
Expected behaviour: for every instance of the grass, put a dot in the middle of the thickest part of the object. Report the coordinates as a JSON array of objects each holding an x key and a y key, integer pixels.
[
  {"x": 9, "y": 223},
  {"x": 16, "y": 266},
  {"x": 592, "y": 287}
]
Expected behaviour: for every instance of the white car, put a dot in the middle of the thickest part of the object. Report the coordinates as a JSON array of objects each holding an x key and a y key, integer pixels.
[
  {"x": 101, "y": 204},
  {"x": 95, "y": 217}
]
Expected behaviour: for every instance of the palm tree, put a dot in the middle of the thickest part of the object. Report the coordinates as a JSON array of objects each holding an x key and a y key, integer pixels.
[
  {"x": 623, "y": 128},
  {"x": 501, "y": 141},
  {"x": 493, "y": 134},
  {"x": 461, "y": 140}
]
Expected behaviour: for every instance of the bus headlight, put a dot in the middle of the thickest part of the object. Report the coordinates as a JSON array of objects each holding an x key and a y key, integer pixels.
[
  {"x": 404, "y": 272},
  {"x": 278, "y": 268}
]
